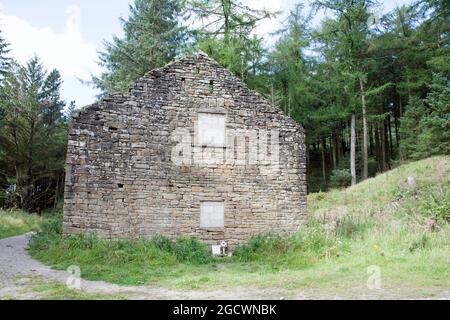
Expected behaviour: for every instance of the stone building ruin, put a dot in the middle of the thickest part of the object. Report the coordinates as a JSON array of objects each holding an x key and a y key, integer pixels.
[{"x": 189, "y": 150}]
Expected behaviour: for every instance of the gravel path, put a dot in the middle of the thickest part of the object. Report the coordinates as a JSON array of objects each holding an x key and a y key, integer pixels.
[
  {"x": 15, "y": 261},
  {"x": 18, "y": 269}
]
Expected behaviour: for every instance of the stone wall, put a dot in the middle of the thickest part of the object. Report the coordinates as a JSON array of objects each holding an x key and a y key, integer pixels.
[{"x": 122, "y": 180}]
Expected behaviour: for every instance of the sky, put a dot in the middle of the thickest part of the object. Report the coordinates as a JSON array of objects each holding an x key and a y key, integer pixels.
[{"x": 68, "y": 34}]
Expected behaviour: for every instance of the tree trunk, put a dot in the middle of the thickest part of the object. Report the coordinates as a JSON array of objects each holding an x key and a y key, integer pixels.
[
  {"x": 56, "y": 193},
  {"x": 377, "y": 146},
  {"x": 409, "y": 86},
  {"x": 387, "y": 156},
  {"x": 397, "y": 137},
  {"x": 383, "y": 148},
  {"x": 353, "y": 149},
  {"x": 323, "y": 161},
  {"x": 390, "y": 135},
  {"x": 27, "y": 204},
  {"x": 333, "y": 150},
  {"x": 364, "y": 121},
  {"x": 338, "y": 147},
  {"x": 400, "y": 111},
  {"x": 271, "y": 94},
  {"x": 371, "y": 139}
]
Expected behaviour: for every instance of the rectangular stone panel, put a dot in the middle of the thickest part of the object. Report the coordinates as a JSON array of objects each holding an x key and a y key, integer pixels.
[{"x": 212, "y": 215}]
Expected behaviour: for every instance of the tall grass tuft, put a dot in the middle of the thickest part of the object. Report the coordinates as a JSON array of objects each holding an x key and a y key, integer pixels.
[
  {"x": 14, "y": 222},
  {"x": 303, "y": 249}
]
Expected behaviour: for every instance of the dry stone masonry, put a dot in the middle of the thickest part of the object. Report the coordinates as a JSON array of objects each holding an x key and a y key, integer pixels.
[{"x": 189, "y": 150}]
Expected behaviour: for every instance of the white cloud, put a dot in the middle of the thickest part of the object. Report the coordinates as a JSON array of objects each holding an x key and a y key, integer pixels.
[
  {"x": 268, "y": 26},
  {"x": 66, "y": 51}
]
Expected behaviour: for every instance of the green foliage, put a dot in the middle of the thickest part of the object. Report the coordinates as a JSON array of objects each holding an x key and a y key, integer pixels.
[
  {"x": 425, "y": 127},
  {"x": 33, "y": 135},
  {"x": 152, "y": 37},
  {"x": 226, "y": 36},
  {"x": 190, "y": 250},
  {"x": 340, "y": 178},
  {"x": 51, "y": 245},
  {"x": 241, "y": 56},
  {"x": 290, "y": 67},
  {"x": 262, "y": 247},
  {"x": 304, "y": 249},
  {"x": 431, "y": 201},
  {"x": 4, "y": 59},
  {"x": 52, "y": 225},
  {"x": 420, "y": 244},
  {"x": 120, "y": 261},
  {"x": 410, "y": 128}
]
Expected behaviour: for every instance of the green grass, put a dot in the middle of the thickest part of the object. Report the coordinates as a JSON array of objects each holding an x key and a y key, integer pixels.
[
  {"x": 58, "y": 291},
  {"x": 42, "y": 289},
  {"x": 377, "y": 222},
  {"x": 121, "y": 261},
  {"x": 16, "y": 222}
]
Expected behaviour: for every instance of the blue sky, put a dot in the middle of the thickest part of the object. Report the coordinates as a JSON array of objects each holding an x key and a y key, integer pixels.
[{"x": 67, "y": 34}]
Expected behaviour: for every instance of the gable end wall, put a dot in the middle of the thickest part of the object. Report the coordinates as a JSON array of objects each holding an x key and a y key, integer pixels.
[{"x": 122, "y": 182}]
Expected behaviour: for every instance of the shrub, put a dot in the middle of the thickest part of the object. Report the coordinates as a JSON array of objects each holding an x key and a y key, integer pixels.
[
  {"x": 49, "y": 233},
  {"x": 190, "y": 250},
  {"x": 420, "y": 244},
  {"x": 262, "y": 247},
  {"x": 431, "y": 201},
  {"x": 52, "y": 225},
  {"x": 300, "y": 250},
  {"x": 163, "y": 243},
  {"x": 340, "y": 178}
]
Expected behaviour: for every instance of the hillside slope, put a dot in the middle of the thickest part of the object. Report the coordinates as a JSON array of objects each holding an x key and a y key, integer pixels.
[{"x": 388, "y": 196}]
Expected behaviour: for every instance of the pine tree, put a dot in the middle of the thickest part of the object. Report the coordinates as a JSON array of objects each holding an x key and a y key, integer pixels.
[
  {"x": 289, "y": 65},
  {"x": 32, "y": 134},
  {"x": 425, "y": 127},
  {"x": 409, "y": 128},
  {"x": 4, "y": 59},
  {"x": 152, "y": 37},
  {"x": 348, "y": 35},
  {"x": 226, "y": 34}
]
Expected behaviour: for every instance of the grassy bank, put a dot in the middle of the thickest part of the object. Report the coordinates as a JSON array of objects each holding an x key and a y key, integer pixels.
[
  {"x": 380, "y": 222},
  {"x": 16, "y": 222}
]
